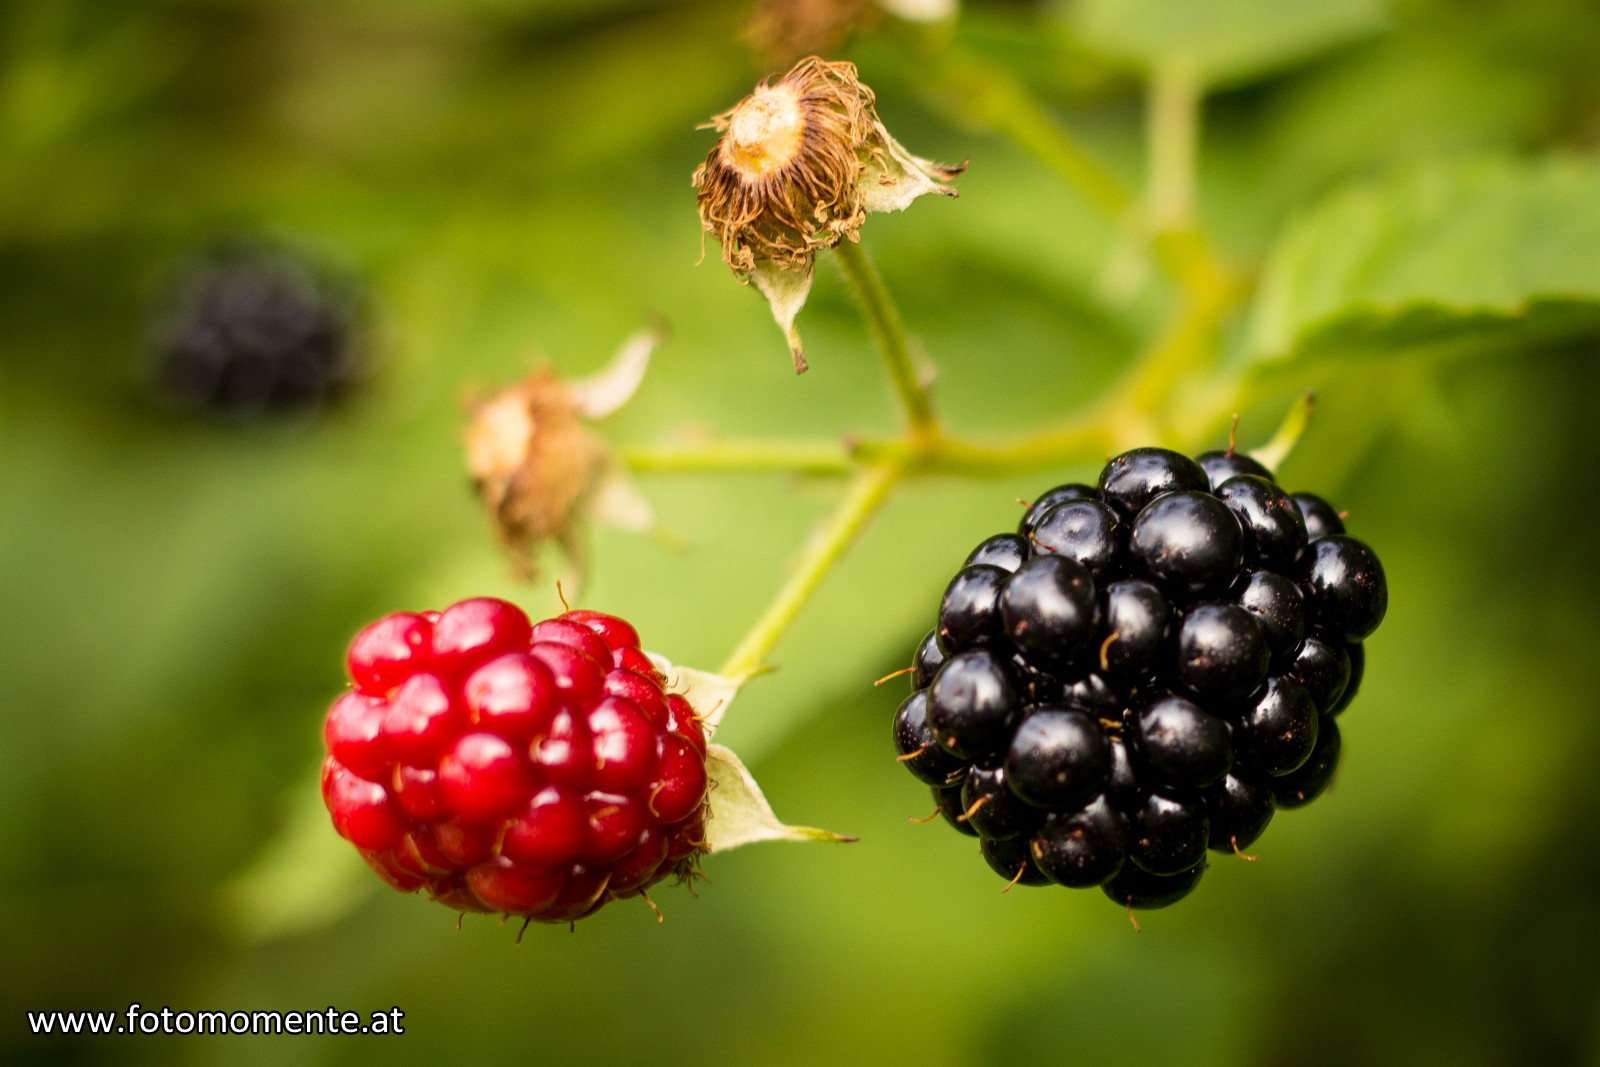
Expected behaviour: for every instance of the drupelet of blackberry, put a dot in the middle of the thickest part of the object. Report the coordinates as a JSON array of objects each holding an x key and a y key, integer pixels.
[{"x": 1146, "y": 668}]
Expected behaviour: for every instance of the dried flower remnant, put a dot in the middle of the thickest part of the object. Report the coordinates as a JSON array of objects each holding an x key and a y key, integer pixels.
[
  {"x": 540, "y": 470},
  {"x": 800, "y": 163},
  {"x": 784, "y": 30}
]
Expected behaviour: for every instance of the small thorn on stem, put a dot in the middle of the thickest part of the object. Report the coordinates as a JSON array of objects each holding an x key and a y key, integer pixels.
[
  {"x": 1105, "y": 647},
  {"x": 1241, "y": 855},
  {"x": 977, "y": 805},
  {"x": 1025, "y": 503},
  {"x": 562, "y": 596},
  {"x": 1013, "y": 883},
  {"x": 909, "y": 756},
  {"x": 926, "y": 818},
  {"x": 1136, "y": 927},
  {"x": 1233, "y": 435},
  {"x": 896, "y": 674},
  {"x": 524, "y": 929},
  {"x": 660, "y": 918},
  {"x": 1343, "y": 515}
]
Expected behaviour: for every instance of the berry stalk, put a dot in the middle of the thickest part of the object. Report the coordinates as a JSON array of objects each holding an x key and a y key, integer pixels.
[
  {"x": 864, "y": 496},
  {"x": 888, "y": 333}
]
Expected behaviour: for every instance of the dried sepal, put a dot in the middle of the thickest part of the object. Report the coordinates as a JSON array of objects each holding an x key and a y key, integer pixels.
[
  {"x": 538, "y": 467},
  {"x": 800, "y": 163},
  {"x": 739, "y": 813}
]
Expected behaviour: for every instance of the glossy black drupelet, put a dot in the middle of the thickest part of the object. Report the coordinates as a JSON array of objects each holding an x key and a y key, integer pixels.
[
  {"x": 1083, "y": 530},
  {"x": 1149, "y": 667},
  {"x": 1047, "y": 609},
  {"x": 1135, "y": 887},
  {"x": 1188, "y": 542}
]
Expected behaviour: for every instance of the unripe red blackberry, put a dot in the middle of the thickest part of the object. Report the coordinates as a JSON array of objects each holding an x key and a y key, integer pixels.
[
  {"x": 534, "y": 770},
  {"x": 1146, "y": 668}
]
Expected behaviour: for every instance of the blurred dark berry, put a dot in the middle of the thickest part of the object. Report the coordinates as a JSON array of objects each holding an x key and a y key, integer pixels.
[
  {"x": 926, "y": 663},
  {"x": 948, "y": 797},
  {"x": 1092, "y": 692},
  {"x": 250, "y": 329}
]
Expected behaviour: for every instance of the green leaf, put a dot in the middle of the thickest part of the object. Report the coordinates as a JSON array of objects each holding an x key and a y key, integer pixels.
[
  {"x": 1488, "y": 252},
  {"x": 1225, "y": 40}
]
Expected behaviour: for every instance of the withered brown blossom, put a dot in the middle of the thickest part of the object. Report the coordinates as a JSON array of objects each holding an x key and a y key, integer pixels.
[
  {"x": 800, "y": 163},
  {"x": 784, "y": 30},
  {"x": 539, "y": 468}
]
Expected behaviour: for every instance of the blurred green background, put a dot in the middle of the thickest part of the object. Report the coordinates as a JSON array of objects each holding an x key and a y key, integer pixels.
[{"x": 511, "y": 178}]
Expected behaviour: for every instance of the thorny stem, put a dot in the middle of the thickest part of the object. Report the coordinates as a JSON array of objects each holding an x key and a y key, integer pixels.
[
  {"x": 883, "y": 322},
  {"x": 865, "y": 494}
]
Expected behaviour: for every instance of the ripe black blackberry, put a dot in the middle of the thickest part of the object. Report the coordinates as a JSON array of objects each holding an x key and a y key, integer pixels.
[
  {"x": 250, "y": 329},
  {"x": 1146, "y": 668}
]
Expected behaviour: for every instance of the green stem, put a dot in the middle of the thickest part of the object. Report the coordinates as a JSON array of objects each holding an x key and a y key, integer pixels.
[
  {"x": 865, "y": 494},
  {"x": 1173, "y": 129},
  {"x": 1272, "y": 454},
  {"x": 883, "y": 322},
  {"x": 994, "y": 96},
  {"x": 801, "y": 457}
]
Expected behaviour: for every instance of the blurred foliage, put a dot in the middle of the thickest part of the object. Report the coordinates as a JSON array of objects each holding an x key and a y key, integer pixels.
[{"x": 511, "y": 179}]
